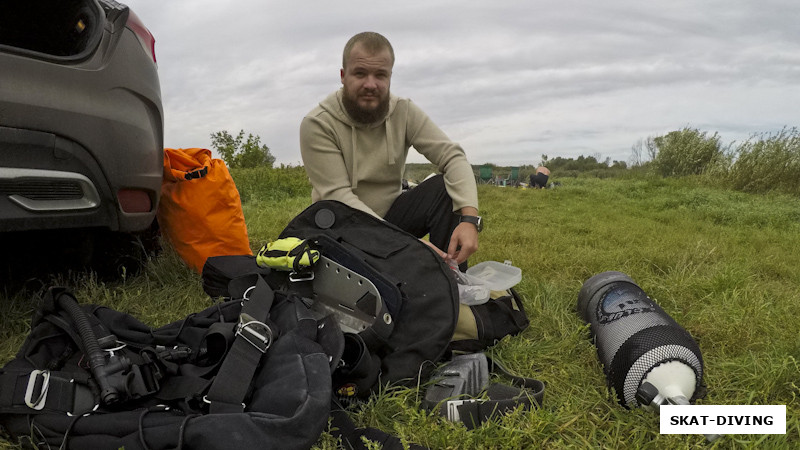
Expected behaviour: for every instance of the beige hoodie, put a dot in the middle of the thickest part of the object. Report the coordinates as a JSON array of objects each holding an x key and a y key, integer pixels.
[{"x": 362, "y": 165}]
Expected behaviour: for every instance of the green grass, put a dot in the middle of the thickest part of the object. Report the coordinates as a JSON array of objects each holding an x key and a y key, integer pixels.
[{"x": 724, "y": 264}]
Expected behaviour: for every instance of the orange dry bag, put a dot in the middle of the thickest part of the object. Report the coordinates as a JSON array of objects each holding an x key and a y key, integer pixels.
[{"x": 200, "y": 212}]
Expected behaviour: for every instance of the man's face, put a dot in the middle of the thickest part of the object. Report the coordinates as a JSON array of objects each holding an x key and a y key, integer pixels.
[{"x": 366, "y": 79}]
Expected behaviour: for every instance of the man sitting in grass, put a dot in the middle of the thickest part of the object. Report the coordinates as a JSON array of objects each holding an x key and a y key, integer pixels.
[{"x": 354, "y": 146}]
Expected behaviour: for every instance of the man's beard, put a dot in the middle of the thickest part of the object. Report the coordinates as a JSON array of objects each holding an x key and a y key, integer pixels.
[{"x": 365, "y": 116}]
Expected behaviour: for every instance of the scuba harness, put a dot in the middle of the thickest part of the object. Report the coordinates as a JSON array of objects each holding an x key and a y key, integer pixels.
[
  {"x": 260, "y": 362},
  {"x": 120, "y": 372}
]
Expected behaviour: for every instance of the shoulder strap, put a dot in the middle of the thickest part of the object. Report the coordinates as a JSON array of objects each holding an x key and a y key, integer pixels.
[{"x": 253, "y": 338}]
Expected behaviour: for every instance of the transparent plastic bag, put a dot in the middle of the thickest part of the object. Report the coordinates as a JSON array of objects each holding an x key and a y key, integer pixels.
[{"x": 471, "y": 290}]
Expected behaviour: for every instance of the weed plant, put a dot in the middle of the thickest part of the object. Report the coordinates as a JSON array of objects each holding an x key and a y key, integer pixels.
[
  {"x": 768, "y": 163},
  {"x": 723, "y": 264}
]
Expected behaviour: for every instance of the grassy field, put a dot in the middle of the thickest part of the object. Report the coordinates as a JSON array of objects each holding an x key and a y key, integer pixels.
[{"x": 725, "y": 265}]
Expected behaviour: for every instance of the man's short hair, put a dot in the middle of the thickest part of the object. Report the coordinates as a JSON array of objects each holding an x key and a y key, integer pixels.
[{"x": 372, "y": 42}]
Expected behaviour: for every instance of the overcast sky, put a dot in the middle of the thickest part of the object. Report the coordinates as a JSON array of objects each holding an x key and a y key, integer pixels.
[{"x": 509, "y": 80}]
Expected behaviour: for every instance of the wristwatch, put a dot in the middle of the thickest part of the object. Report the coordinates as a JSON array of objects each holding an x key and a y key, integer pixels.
[{"x": 475, "y": 220}]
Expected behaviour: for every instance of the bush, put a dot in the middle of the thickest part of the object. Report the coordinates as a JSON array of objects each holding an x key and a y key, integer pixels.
[
  {"x": 238, "y": 152},
  {"x": 686, "y": 152},
  {"x": 770, "y": 162}
]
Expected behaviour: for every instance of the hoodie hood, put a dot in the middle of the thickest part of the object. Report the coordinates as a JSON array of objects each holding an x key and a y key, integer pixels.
[{"x": 334, "y": 106}]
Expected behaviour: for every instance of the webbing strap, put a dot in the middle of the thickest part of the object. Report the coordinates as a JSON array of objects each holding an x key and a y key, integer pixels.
[
  {"x": 525, "y": 392},
  {"x": 178, "y": 387},
  {"x": 45, "y": 391},
  {"x": 532, "y": 385},
  {"x": 253, "y": 338},
  {"x": 502, "y": 398}
]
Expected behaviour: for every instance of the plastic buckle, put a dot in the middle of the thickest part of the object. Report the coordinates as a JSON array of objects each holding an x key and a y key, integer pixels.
[
  {"x": 295, "y": 277},
  {"x": 37, "y": 404},
  {"x": 452, "y": 408},
  {"x": 258, "y": 334}
]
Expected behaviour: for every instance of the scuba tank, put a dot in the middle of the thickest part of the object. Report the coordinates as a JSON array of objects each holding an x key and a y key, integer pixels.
[{"x": 647, "y": 357}]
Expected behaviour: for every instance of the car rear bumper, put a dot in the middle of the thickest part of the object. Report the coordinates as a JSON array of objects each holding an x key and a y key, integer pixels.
[
  {"x": 48, "y": 182},
  {"x": 82, "y": 133}
]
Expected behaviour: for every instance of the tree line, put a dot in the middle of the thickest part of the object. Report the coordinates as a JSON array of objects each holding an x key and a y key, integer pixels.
[{"x": 765, "y": 162}]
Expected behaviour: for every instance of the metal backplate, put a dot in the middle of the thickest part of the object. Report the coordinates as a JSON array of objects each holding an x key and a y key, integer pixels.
[{"x": 351, "y": 298}]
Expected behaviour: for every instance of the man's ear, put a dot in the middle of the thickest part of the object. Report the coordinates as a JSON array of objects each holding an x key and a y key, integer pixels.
[{"x": 341, "y": 75}]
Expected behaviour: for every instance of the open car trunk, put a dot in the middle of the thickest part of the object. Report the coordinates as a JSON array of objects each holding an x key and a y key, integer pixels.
[{"x": 64, "y": 29}]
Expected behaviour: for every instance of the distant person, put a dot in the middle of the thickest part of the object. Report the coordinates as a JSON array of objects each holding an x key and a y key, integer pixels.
[
  {"x": 540, "y": 177},
  {"x": 354, "y": 146}
]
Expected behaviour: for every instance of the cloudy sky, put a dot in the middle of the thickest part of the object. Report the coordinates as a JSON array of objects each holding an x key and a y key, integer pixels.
[{"x": 510, "y": 80}]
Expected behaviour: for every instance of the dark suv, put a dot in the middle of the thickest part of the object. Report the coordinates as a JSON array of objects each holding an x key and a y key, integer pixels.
[{"x": 81, "y": 120}]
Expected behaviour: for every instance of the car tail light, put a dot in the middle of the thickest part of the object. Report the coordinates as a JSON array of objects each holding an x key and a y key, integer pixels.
[
  {"x": 134, "y": 201},
  {"x": 145, "y": 37}
]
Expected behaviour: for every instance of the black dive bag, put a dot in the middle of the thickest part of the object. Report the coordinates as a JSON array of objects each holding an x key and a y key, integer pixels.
[
  {"x": 245, "y": 373},
  {"x": 401, "y": 337}
]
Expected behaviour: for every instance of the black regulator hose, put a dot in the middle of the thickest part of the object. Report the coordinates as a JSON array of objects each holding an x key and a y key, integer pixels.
[{"x": 97, "y": 360}]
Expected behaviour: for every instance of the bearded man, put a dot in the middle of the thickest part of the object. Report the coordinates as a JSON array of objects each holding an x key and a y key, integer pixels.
[{"x": 354, "y": 146}]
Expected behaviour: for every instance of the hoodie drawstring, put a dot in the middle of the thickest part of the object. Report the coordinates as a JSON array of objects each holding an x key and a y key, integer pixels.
[
  {"x": 353, "y": 143},
  {"x": 389, "y": 154}
]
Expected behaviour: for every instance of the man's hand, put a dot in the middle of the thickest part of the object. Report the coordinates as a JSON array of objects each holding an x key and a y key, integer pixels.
[{"x": 463, "y": 242}]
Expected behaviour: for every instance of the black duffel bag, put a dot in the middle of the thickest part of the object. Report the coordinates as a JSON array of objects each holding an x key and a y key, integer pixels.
[{"x": 418, "y": 292}]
